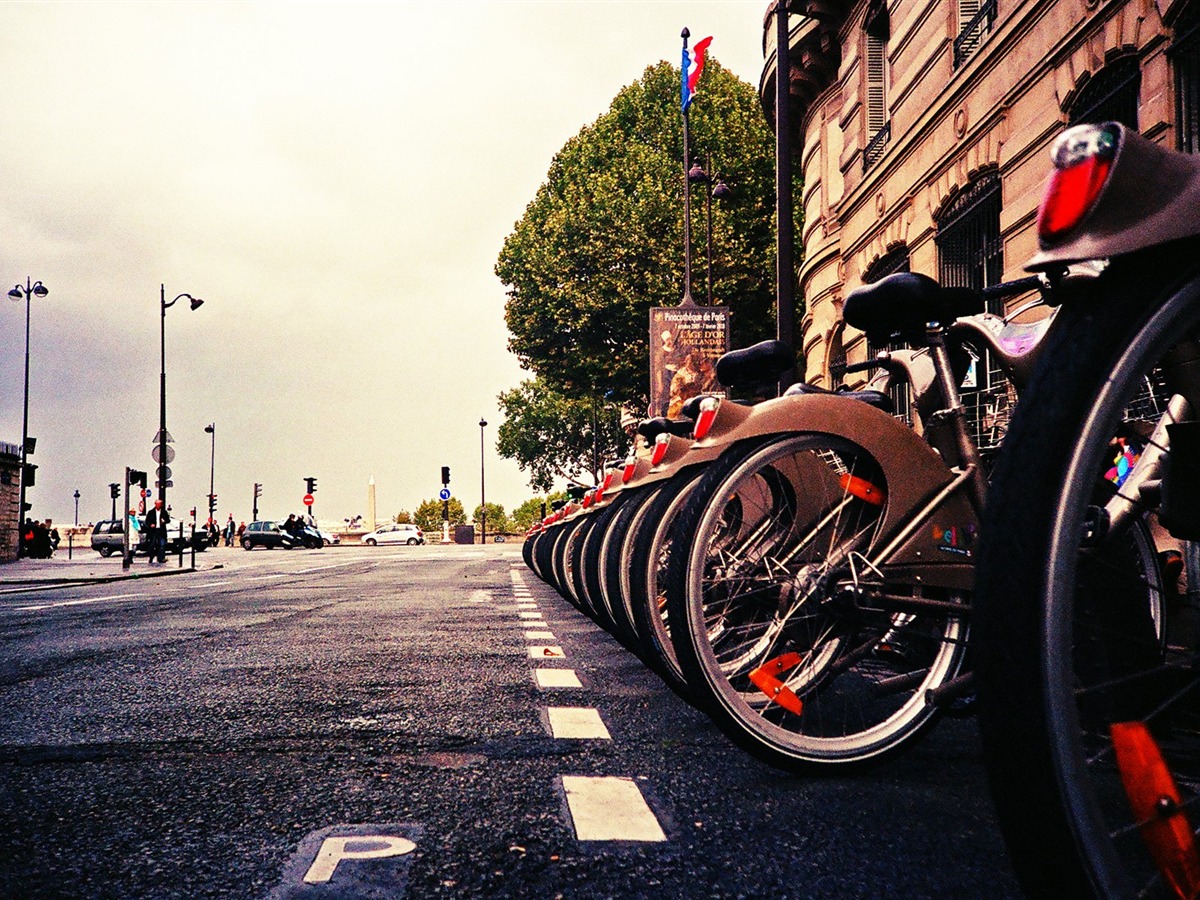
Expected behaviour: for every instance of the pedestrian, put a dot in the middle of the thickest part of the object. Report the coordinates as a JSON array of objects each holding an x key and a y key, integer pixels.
[
  {"x": 230, "y": 530},
  {"x": 157, "y": 520},
  {"x": 240, "y": 531},
  {"x": 52, "y": 536}
]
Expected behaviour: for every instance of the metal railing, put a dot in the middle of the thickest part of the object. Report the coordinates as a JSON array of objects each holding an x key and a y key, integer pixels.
[
  {"x": 973, "y": 33},
  {"x": 876, "y": 146}
]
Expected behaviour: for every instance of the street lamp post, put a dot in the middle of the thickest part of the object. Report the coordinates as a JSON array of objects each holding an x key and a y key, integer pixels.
[
  {"x": 482, "y": 493},
  {"x": 713, "y": 190},
  {"x": 26, "y": 293},
  {"x": 212, "y": 472},
  {"x": 77, "y": 507},
  {"x": 162, "y": 397}
]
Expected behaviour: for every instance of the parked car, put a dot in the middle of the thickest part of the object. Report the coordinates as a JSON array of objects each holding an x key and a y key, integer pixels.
[
  {"x": 329, "y": 537},
  {"x": 394, "y": 534},
  {"x": 266, "y": 534},
  {"x": 107, "y": 539}
]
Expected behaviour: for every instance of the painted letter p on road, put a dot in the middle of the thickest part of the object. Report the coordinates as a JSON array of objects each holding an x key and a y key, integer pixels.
[{"x": 371, "y": 846}]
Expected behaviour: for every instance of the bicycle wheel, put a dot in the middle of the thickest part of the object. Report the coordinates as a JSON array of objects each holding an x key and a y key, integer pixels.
[
  {"x": 652, "y": 544},
  {"x": 780, "y": 620},
  {"x": 627, "y": 504},
  {"x": 1089, "y": 676}
]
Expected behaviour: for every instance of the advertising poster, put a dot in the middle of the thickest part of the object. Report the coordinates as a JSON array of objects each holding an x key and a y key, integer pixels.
[{"x": 685, "y": 343}]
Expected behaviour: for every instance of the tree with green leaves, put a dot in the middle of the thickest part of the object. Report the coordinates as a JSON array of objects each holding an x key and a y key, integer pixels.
[
  {"x": 429, "y": 515},
  {"x": 553, "y": 437},
  {"x": 497, "y": 520},
  {"x": 530, "y": 511},
  {"x": 404, "y": 517},
  {"x": 602, "y": 240}
]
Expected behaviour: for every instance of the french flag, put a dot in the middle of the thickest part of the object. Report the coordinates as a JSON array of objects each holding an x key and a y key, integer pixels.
[{"x": 691, "y": 69}]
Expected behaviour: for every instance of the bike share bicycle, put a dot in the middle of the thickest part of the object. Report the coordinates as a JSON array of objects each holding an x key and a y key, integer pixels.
[
  {"x": 1089, "y": 700},
  {"x": 821, "y": 582}
]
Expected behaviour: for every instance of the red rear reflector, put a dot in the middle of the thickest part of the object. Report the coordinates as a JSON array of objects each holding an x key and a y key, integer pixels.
[
  {"x": 765, "y": 678},
  {"x": 660, "y": 448},
  {"x": 1154, "y": 800},
  {"x": 1069, "y": 197},
  {"x": 704, "y": 421},
  {"x": 627, "y": 472},
  {"x": 863, "y": 489},
  {"x": 1083, "y": 158}
]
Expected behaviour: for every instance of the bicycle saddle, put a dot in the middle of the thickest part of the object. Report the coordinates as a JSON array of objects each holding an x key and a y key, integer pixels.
[
  {"x": 757, "y": 364},
  {"x": 652, "y": 428},
  {"x": 904, "y": 303},
  {"x": 878, "y": 399}
]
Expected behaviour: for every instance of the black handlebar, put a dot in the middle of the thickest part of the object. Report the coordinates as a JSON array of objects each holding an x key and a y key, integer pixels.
[
  {"x": 863, "y": 366},
  {"x": 1012, "y": 288}
]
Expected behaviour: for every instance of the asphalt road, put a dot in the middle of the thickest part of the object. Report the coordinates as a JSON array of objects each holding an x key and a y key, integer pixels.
[{"x": 372, "y": 720}]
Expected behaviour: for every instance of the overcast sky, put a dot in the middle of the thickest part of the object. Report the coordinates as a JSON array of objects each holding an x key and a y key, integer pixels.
[{"x": 335, "y": 181}]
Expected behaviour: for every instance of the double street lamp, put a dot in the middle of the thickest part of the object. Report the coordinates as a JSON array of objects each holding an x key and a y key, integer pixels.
[
  {"x": 714, "y": 189},
  {"x": 162, "y": 460},
  {"x": 26, "y": 293}
]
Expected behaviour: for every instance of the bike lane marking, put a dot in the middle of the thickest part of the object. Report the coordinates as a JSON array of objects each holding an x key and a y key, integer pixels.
[
  {"x": 602, "y": 808},
  {"x": 577, "y": 723},
  {"x": 610, "y": 808}
]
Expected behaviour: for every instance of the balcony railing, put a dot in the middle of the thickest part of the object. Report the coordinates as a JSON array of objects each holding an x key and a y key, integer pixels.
[
  {"x": 974, "y": 32},
  {"x": 877, "y": 146}
]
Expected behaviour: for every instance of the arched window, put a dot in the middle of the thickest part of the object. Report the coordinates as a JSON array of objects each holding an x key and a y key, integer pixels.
[
  {"x": 895, "y": 260},
  {"x": 1185, "y": 60},
  {"x": 1111, "y": 95}
]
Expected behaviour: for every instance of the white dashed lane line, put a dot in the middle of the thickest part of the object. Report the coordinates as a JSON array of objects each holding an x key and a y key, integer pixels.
[
  {"x": 577, "y": 723},
  {"x": 610, "y": 809},
  {"x": 77, "y": 602},
  {"x": 601, "y": 808},
  {"x": 557, "y": 678}
]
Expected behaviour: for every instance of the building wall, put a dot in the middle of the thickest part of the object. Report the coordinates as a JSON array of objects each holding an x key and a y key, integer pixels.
[
  {"x": 1001, "y": 109},
  {"x": 10, "y": 501}
]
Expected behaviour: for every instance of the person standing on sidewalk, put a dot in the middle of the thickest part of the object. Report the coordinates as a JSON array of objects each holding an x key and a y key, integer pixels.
[
  {"x": 156, "y": 532},
  {"x": 230, "y": 528}
]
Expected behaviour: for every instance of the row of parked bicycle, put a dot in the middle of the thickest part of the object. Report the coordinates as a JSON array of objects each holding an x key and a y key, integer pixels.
[{"x": 825, "y": 581}]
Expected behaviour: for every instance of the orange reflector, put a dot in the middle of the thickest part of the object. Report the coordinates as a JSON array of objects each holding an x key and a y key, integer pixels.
[
  {"x": 863, "y": 489},
  {"x": 766, "y": 680},
  {"x": 1155, "y": 800}
]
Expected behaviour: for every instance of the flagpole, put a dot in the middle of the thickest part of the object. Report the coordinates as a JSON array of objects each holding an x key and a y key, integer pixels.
[{"x": 687, "y": 188}]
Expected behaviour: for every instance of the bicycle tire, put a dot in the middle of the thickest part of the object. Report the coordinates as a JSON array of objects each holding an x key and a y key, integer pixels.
[
  {"x": 610, "y": 565},
  {"x": 767, "y": 590},
  {"x": 651, "y": 547},
  {"x": 1067, "y": 625}
]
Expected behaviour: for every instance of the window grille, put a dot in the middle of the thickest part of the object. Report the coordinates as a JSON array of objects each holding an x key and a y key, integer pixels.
[
  {"x": 1111, "y": 95},
  {"x": 891, "y": 262},
  {"x": 975, "y": 20},
  {"x": 971, "y": 255},
  {"x": 1185, "y": 60}
]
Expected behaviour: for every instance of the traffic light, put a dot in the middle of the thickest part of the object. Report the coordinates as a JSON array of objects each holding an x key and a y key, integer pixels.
[
  {"x": 445, "y": 474},
  {"x": 257, "y": 490},
  {"x": 312, "y": 484},
  {"x": 30, "y": 474},
  {"x": 212, "y": 504},
  {"x": 138, "y": 478},
  {"x": 114, "y": 491}
]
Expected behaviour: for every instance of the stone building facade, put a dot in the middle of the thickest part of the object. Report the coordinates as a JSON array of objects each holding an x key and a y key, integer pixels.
[
  {"x": 922, "y": 131},
  {"x": 10, "y": 501}
]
